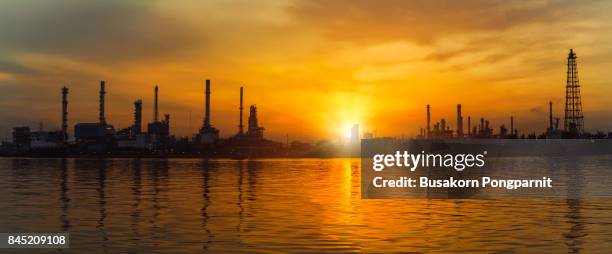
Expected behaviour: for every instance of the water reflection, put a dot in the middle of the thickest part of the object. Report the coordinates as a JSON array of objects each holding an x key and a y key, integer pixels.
[
  {"x": 206, "y": 168},
  {"x": 187, "y": 206},
  {"x": 64, "y": 198},
  {"x": 102, "y": 166},
  {"x": 136, "y": 200},
  {"x": 239, "y": 226},
  {"x": 159, "y": 182},
  {"x": 253, "y": 167},
  {"x": 575, "y": 184}
]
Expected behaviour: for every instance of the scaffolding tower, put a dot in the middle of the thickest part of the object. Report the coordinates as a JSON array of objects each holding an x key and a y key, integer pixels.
[{"x": 574, "y": 120}]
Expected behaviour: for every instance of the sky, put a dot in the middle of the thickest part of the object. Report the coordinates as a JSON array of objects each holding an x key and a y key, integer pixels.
[{"x": 313, "y": 67}]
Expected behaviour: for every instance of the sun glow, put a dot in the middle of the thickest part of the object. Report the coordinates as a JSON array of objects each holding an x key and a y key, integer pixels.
[{"x": 345, "y": 131}]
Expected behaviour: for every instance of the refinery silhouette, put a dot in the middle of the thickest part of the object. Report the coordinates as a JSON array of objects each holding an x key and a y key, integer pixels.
[
  {"x": 573, "y": 121},
  {"x": 102, "y": 139}
]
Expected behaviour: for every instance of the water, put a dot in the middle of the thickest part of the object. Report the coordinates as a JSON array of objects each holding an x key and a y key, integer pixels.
[{"x": 305, "y": 205}]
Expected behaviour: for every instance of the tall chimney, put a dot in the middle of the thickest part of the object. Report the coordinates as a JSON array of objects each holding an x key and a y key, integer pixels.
[
  {"x": 240, "y": 126},
  {"x": 512, "y": 132},
  {"x": 469, "y": 126},
  {"x": 207, "y": 105},
  {"x": 550, "y": 118},
  {"x": 428, "y": 122},
  {"x": 64, "y": 114},
  {"x": 138, "y": 116},
  {"x": 459, "y": 122},
  {"x": 102, "y": 93},
  {"x": 155, "y": 108}
]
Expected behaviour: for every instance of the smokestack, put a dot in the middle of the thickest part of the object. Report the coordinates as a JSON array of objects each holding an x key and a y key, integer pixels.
[
  {"x": 459, "y": 122},
  {"x": 512, "y": 125},
  {"x": 240, "y": 126},
  {"x": 155, "y": 108},
  {"x": 138, "y": 116},
  {"x": 469, "y": 125},
  {"x": 102, "y": 93},
  {"x": 64, "y": 114},
  {"x": 550, "y": 118},
  {"x": 207, "y": 105},
  {"x": 428, "y": 122}
]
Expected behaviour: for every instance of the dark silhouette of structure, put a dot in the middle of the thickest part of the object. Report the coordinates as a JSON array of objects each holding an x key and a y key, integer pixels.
[
  {"x": 64, "y": 114},
  {"x": 21, "y": 137},
  {"x": 550, "y": 116},
  {"x": 459, "y": 122},
  {"x": 208, "y": 135},
  {"x": 552, "y": 132},
  {"x": 469, "y": 126},
  {"x": 101, "y": 138},
  {"x": 252, "y": 142},
  {"x": 158, "y": 131},
  {"x": 132, "y": 136},
  {"x": 155, "y": 105},
  {"x": 255, "y": 131},
  {"x": 428, "y": 128},
  {"x": 96, "y": 136},
  {"x": 138, "y": 117},
  {"x": 574, "y": 120},
  {"x": 240, "y": 125},
  {"x": 102, "y": 94}
]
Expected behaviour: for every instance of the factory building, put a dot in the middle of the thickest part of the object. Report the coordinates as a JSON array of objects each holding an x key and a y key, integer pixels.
[
  {"x": 64, "y": 115},
  {"x": 442, "y": 130},
  {"x": 254, "y": 132},
  {"x": 96, "y": 136},
  {"x": 459, "y": 122},
  {"x": 158, "y": 131},
  {"x": 46, "y": 139},
  {"x": 553, "y": 131},
  {"x": 208, "y": 134},
  {"x": 21, "y": 137},
  {"x": 250, "y": 143},
  {"x": 132, "y": 137}
]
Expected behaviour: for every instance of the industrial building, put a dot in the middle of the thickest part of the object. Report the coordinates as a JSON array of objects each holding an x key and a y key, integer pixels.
[
  {"x": 573, "y": 125},
  {"x": 25, "y": 139},
  {"x": 252, "y": 142},
  {"x": 132, "y": 136},
  {"x": 208, "y": 134},
  {"x": 96, "y": 137},
  {"x": 101, "y": 137},
  {"x": 158, "y": 131}
]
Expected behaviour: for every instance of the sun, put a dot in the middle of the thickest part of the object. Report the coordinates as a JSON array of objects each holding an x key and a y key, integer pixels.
[{"x": 345, "y": 131}]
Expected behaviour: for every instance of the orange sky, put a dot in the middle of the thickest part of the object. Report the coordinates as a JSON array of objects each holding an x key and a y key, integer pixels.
[{"x": 312, "y": 67}]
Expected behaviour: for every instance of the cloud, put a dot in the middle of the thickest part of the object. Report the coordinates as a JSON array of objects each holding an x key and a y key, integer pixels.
[
  {"x": 425, "y": 21},
  {"x": 14, "y": 68},
  {"x": 536, "y": 110},
  {"x": 106, "y": 31}
]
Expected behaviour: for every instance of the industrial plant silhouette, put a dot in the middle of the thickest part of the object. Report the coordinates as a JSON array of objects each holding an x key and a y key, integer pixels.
[
  {"x": 573, "y": 125},
  {"x": 101, "y": 138}
]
